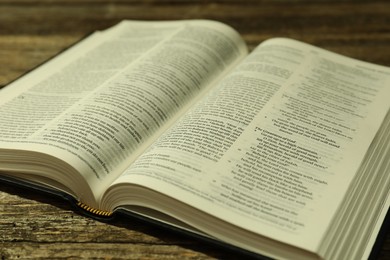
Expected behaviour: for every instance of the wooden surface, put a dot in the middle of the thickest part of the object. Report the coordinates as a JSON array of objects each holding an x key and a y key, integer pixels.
[{"x": 35, "y": 226}]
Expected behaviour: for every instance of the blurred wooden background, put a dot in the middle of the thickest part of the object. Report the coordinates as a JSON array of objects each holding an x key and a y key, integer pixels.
[{"x": 35, "y": 226}]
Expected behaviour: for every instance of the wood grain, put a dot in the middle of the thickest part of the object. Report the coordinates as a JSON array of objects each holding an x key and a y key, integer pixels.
[{"x": 35, "y": 226}]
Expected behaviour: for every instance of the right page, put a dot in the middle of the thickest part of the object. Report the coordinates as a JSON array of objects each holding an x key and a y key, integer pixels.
[
  {"x": 273, "y": 149},
  {"x": 294, "y": 163}
]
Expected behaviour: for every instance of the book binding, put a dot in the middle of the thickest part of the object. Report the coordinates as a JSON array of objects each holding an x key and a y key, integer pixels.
[{"x": 98, "y": 212}]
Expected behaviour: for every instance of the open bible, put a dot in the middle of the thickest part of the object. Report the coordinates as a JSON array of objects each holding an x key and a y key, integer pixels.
[{"x": 283, "y": 152}]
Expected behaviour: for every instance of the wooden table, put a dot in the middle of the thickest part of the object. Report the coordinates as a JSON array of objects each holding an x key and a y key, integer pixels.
[{"x": 36, "y": 226}]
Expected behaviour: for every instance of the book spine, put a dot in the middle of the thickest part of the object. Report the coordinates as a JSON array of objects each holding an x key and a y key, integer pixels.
[{"x": 94, "y": 211}]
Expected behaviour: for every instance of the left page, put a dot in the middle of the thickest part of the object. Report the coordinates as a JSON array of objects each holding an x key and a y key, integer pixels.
[{"x": 98, "y": 105}]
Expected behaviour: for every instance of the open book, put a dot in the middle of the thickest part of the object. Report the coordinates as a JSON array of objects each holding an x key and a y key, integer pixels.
[{"x": 283, "y": 152}]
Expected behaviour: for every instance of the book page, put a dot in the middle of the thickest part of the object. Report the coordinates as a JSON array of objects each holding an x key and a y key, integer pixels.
[
  {"x": 40, "y": 96},
  {"x": 97, "y": 127},
  {"x": 274, "y": 147}
]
